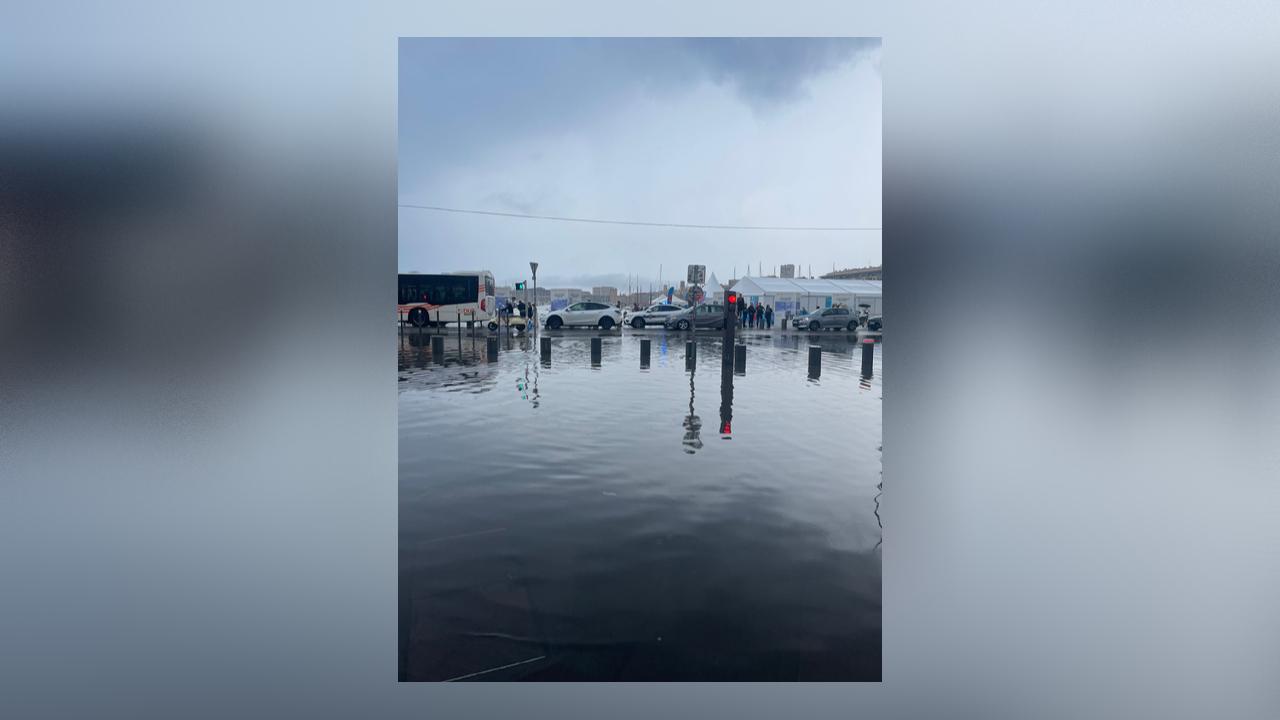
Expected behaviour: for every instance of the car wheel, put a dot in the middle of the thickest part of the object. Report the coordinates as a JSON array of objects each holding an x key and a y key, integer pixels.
[
  {"x": 853, "y": 325},
  {"x": 554, "y": 322},
  {"x": 814, "y": 326},
  {"x": 606, "y": 323},
  {"x": 682, "y": 325},
  {"x": 637, "y": 323},
  {"x": 418, "y": 317},
  {"x": 493, "y": 325}
]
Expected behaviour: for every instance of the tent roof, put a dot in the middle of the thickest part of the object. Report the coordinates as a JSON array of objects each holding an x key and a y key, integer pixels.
[{"x": 810, "y": 286}]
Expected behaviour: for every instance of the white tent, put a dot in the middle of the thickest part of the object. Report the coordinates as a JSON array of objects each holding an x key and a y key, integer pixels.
[
  {"x": 713, "y": 290},
  {"x": 791, "y": 295}
]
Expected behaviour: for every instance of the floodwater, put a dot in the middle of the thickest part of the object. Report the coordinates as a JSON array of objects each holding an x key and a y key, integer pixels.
[{"x": 611, "y": 523}]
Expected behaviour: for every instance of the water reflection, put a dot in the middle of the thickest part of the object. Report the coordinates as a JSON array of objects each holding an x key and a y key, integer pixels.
[
  {"x": 692, "y": 423},
  {"x": 541, "y": 560},
  {"x": 726, "y": 401}
]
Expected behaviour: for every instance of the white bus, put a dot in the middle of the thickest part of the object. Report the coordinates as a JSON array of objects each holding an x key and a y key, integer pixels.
[{"x": 447, "y": 298}]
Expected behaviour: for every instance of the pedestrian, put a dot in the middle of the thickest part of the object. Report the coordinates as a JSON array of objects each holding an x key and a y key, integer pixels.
[
  {"x": 768, "y": 315},
  {"x": 760, "y": 315},
  {"x": 521, "y": 307},
  {"x": 751, "y": 316}
]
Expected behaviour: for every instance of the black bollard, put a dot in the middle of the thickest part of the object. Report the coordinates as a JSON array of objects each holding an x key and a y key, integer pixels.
[
  {"x": 437, "y": 347},
  {"x": 690, "y": 354},
  {"x": 595, "y": 351},
  {"x": 815, "y": 361},
  {"x": 493, "y": 348},
  {"x": 868, "y": 355},
  {"x": 644, "y": 352},
  {"x": 740, "y": 359},
  {"x": 546, "y": 351}
]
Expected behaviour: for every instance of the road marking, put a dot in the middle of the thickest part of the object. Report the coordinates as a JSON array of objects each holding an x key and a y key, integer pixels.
[
  {"x": 500, "y": 667},
  {"x": 464, "y": 535}
]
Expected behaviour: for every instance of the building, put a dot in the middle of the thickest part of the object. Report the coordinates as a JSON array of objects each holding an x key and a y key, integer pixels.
[
  {"x": 789, "y": 295},
  {"x": 562, "y": 297},
  {"x": 507, "y": 291},
  {"x": 865, "y": 273},
  {"x": 788, "y": 271},
  {"x": 608, "y": 295}
]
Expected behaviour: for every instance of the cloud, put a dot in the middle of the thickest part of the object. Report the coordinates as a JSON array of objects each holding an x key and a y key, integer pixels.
[{"x": 773, "y": 70}]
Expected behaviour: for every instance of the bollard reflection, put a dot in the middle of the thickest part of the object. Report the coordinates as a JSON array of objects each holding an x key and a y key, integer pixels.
[{"x": 692, "y": 424}]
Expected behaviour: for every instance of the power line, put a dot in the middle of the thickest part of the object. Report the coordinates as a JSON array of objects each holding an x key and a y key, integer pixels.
[{"x": 629, "y": 222}]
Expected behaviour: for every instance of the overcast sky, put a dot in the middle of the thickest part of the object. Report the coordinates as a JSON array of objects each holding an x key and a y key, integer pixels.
[{"x": 776, "y": 132}]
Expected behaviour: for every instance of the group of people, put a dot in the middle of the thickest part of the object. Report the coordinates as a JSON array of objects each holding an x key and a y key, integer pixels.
[
  {"x": 520, "y": 309},
  {"x": 756, "y": 316}
]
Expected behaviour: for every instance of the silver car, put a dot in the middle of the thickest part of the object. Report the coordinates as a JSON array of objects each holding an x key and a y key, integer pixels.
[
  {"x": 655, "y": 314},
  {"x": 698, "y": 316},
  {"x": 841, "y": 318}
]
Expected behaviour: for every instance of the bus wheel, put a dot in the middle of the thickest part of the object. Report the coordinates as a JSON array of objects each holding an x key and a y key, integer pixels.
[
  {"x": 418, "y": 317},
  {"x": 493, "y": 326}
]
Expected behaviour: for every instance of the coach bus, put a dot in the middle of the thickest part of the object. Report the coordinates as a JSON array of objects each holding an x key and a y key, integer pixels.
[{"x": 447, "y": 298}]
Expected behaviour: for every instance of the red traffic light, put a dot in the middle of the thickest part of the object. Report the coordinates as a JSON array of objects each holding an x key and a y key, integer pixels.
[{"x": 731, "y": 297}]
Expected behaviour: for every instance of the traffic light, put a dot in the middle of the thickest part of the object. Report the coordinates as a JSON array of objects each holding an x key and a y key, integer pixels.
[
  {"x": 519, "y": 286},
  {"x": 731, "y": 297}
]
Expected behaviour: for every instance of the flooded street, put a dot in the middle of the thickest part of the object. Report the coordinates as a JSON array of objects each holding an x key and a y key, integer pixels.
[{"x": 608, "y": 522}]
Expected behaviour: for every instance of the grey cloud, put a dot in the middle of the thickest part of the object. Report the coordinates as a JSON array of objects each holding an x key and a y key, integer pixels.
[{"x": 774, "y": 70}]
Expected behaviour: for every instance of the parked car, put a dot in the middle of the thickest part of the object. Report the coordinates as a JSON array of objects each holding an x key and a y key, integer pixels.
[
  {"x": 837, "y": 318},
  {"x": 708, "y": 316},
  {"x": 585, "y": 314},
  {"x": 875, "y": 322},
  {"x": 655, "y": 314}
]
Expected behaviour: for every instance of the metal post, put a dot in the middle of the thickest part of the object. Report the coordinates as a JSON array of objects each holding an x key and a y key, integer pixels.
[
  {"x": 740, "y": 359},
  {"x": 596, "y": 344},
  {"x": 690, "y": 354},
  {"x": 493, "y": 348},
  {"x": 546, "y": 351},
  {"x": 644, "y": 352},
  {"x": 815, "y": 361},
  {"x": 868, "y": 356},
  {"x": 437, "y": 348}
]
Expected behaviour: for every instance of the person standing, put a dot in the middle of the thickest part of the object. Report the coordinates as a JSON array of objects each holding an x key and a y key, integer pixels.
[
  {"x": 768, "y": 316},
  {"x": 759, "y": 315}
]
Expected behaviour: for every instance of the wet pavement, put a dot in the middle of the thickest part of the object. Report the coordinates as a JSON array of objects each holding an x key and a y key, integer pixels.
[{"x": 580, "y": 521}]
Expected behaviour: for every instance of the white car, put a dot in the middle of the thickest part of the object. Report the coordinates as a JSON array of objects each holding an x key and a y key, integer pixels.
[
  {"x": 655, "y": 314},
  {"x": 590, "y": 314}
]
